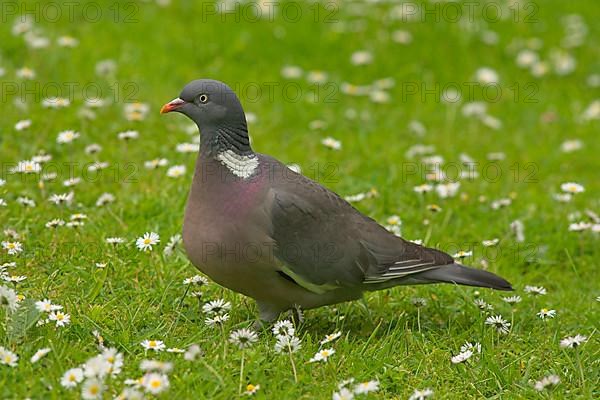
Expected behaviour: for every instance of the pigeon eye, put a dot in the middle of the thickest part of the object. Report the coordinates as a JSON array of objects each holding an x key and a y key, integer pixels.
[{"x": 203, "y": 98}]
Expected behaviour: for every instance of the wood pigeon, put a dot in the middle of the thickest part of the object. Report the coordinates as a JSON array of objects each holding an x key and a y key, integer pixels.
[{"x": 256, "y": 227}]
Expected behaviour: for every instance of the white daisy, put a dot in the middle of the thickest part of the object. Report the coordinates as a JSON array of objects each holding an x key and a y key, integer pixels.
[
  {"x": 8, "y": 298},
  {"x": 92, "y": 389},
  {"x": 501, "y": 325},
  {"x": 512, "y": 299},
  {"x": 67, "y": 136},
  {"x": 71, "y": 182},
  {"x": 93, "y": 148},
  {"x": 114, "y": 358},
  {"x": 482, "y": 305},
  {"x": 67, "y": 41},
  {"x": 176, "y": 171},
  {"x": 366, "y": 387},
  {"x": 72, "y": 377},
  {"x": 219, "y": 306},
  {"x": 545, "y": 313},
  {"x": 243, "y": 338},
  {"x": 187, "y": 148},
  {"x": 47, "y": 306},
  {"x": 562, "y": 197},
  {"x": 39, "y": 354},
  {"x": 192, "y": 352},
  {"x": 63, "y": 198},
  {"x": 7, "y": 357},
  {"x": 490, "y": 243},
  {"x": 128, "y": 135},
  {"x": 156, "y": 345},
  {"x": 115, "y": 240},
  {"x": 362, "y": 57},
  {"x": 283, "y": 328},
  {"x": 22, "y": 125},
  {"x": 331, "y": 337},
  {"x": 153, "y": 365},
  {"x": 27, "y": 167},
  {"x": 55, "y": 223},
  {"x": 343, "y": 394},
  {"x": 424, "y": 188},
  {"x": 56, "y": 102},
  {"x": 287, "y": 343},
  {"x": 60, "y": 318},
  {"x": 157, "y": 162},
  {"x": 572, "y": 188},
  {"x": 14, "y": 278},
  {"x": 546, "y": 381},
  {"x": 176, "y": 350},
  {"x": 25, "y": 73},
  {"x": 105, "y": 198},
  {"x": 148, "y": 240},
  {"x": 573, "y": 341},
  {"x": 535, "y": 290},
  {"x": 486, "y": 76},
  {"x": 26, "y": 201},
  {"x": 331, "y": 143},
  {"x": 474, "y": 347},
  {"x": 421, "y": 394},
  {"x": 173, "y": 242},
  {"x": 461, "y": 357},
  {"x": 322, "y": 355},
  {"x": 97, "y": 367},
  {"x": 418, "y": 302},
  {"x": 462, "y": 254},
  {"x": 12, "y": 248},
  {"x": 251, "y": 389},
  {"x": 196, "y": 280},
  {"x": 291, "y": 72},
  {"x": 216, "y": 320},
  {"x": 569, "y": 146}
]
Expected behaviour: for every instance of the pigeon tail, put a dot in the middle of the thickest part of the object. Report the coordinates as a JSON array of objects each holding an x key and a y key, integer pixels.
[{"x": 461, "y": 275}]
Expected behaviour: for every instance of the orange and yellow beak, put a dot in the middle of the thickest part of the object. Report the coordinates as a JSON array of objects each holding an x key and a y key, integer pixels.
[{"x": 172, "y": 105}]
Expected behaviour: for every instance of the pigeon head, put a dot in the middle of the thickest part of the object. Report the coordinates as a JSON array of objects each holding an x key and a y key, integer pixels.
[{"x": 217, "y": 111}]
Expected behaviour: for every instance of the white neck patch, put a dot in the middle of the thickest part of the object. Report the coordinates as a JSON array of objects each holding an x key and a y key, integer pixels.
[{"x": 242, "y": 166}]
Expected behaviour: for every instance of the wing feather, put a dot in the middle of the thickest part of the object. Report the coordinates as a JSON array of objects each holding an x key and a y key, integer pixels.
[{"x": 333, "y": 244}]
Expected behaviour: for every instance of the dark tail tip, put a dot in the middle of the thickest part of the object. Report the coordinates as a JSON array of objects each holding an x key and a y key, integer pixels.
[{"x": 461, "y": 275}]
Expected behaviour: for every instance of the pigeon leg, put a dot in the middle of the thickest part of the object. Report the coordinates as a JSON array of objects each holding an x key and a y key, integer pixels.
[{"x": 267, "y": 313}]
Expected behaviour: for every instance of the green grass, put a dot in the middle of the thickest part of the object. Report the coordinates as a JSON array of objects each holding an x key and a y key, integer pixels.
[{"x": 140, "y": 296}]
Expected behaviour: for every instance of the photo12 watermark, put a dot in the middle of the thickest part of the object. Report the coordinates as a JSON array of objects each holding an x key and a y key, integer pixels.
[{"x": 126, "y": 12}]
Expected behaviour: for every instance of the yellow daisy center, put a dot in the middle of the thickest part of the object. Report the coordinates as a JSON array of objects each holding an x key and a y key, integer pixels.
[{"x": 155, "y": 384}]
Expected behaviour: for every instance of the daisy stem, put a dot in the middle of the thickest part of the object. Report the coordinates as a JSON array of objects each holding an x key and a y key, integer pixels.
[
  {"x": 224, "y": 341},
  {"x": 582, "y": 377},
  {"x": 512, "y": 318},
  {"x": 419, "y": 318},
  {"x": 214, "y": 372},
  {"x": 241, "y": 372},
  {"x": 293, "y": 364}
]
